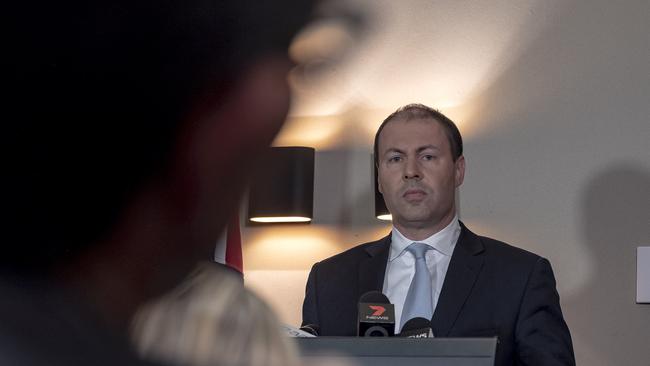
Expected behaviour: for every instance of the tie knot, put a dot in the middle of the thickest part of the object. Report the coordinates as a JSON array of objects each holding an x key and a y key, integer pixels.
[{"x": 418, "y": 249}]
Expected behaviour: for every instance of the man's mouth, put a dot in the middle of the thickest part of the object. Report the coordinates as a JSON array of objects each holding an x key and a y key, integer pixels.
[{"x": 414, "y": 194}]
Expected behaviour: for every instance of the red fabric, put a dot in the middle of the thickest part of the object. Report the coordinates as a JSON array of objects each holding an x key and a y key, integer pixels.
[{"x": 233, "y": 244}]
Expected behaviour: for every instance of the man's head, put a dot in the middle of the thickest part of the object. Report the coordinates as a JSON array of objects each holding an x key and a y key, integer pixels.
[
  {"x": 421, "y": 111},
  {"x": 418, "y": 153},
  {"x": 136, "y": 122}
]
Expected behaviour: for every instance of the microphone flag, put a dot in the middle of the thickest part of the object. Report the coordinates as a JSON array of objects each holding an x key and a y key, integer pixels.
[
  {"x": 228, "y": 250},
  {"x": 376, "y": 316}
]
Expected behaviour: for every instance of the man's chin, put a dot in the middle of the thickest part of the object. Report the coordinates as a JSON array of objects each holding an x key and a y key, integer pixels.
[
  {"x": 415, "y": 220},
  {"x": 416, "y": 211}
]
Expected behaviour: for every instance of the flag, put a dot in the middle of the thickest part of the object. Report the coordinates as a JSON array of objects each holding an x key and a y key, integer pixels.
[{"x": 228, "y": 249}]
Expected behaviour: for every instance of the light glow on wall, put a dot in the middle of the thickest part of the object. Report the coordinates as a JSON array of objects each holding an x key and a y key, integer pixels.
[
  {"x": 439, "y": 53},
  {"x": 319, "y": 132},
  {"x": 298, "y": 247}
]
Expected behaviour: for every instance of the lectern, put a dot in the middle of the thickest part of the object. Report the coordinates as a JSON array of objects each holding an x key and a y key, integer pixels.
[{"x": 376, "y": 351}]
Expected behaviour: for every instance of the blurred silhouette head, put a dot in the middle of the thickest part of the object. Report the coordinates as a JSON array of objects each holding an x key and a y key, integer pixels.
[{"x": 130, "y": 127}]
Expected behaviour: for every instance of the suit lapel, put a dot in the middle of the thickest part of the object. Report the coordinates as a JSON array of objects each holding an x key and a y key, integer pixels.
[
  {"x": 373, "y": 268},
  {"x": 466, "y": 263}
]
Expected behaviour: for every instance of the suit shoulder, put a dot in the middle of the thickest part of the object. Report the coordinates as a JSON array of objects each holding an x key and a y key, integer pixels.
[
  {"x": 507, "y": 252},
  {"x": 508, "y": 262}
]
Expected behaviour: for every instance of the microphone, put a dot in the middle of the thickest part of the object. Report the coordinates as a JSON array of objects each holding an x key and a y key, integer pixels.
[
  {"x": 312, "y": 329},
  {"x": 417, "y": 328},
  {"x": 294, "y": 332},
  {"x": 376, "y": 315}
]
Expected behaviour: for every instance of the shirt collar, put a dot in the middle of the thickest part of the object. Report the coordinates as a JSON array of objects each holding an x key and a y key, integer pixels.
[{"x": 442, "y": 241}]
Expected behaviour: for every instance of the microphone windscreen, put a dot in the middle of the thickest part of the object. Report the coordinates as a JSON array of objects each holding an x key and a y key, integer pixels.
[
  {"x": 312, "y": 329},
  {"x": 374, "y": 297},
  {"x": 415, "y": 324},
  {"x": 417, "y": 328}
]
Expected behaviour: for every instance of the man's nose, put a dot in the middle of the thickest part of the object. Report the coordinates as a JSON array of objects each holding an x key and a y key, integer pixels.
[{"x": 412, "y": 169}]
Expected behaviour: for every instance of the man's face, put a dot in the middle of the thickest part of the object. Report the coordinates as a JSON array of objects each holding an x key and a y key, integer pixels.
[{"x": 417, "y": 174}]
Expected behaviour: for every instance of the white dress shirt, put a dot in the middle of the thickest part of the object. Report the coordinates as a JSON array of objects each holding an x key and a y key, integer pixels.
[{"x": 401, "y": 265}]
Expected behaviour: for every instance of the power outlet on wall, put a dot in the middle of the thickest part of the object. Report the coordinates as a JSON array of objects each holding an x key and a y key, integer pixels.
[{"x": 643, "y": 275}]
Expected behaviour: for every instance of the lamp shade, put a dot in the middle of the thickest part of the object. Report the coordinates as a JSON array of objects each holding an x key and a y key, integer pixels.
[
  {"x": 381, "y": 211},
  {"x": 283, "y": 190}
]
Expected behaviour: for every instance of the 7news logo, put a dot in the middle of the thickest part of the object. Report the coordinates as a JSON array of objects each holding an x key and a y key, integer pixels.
[
  {"x": 376, "y": 312},
  {"x": 379, "y": 310}
]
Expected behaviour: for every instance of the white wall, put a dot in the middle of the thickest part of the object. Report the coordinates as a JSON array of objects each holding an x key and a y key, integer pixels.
[{"x": 557, "y": 142}]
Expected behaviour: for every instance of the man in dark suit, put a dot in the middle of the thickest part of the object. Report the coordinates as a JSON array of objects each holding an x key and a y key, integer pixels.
[{"x": 475, "y": 286}]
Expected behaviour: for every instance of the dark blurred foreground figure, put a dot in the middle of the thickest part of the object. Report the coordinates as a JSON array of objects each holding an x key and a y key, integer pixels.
[{"x": 129, "y": 129}]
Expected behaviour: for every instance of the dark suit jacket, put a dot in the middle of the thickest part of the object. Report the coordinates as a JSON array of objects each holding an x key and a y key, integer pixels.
[{"x": 491, "y": 289}]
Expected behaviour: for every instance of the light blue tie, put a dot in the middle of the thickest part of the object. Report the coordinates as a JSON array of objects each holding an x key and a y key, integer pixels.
[{"x": 419, "y": 297}]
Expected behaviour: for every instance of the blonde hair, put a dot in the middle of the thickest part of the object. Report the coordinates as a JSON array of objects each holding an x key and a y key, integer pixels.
[{"x": 212, "y": 319}]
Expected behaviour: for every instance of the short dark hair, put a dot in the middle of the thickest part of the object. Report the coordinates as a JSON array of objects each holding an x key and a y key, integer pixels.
[
  {"x": 96, "y": 92},
  {"x": 421, "y": 111}
]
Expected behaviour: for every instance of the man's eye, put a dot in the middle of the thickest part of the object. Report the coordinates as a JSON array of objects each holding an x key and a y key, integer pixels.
[
  {"x": 428, "y": 157},
  {"x": 394, "y": 159}
]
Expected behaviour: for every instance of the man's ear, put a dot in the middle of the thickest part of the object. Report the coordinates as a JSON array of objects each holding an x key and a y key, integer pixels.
[{"x": 459, "y": 170}]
